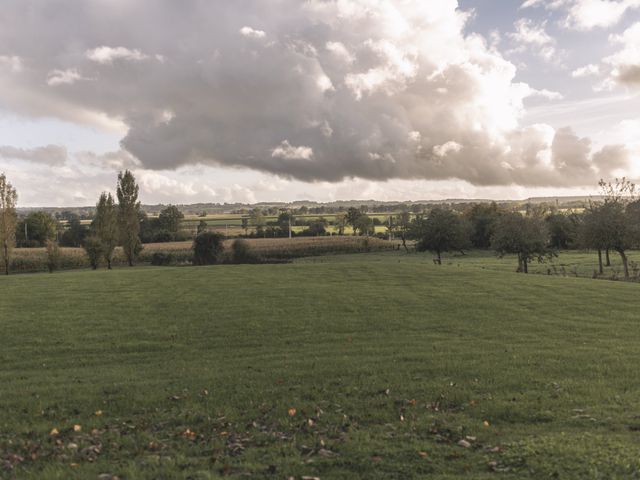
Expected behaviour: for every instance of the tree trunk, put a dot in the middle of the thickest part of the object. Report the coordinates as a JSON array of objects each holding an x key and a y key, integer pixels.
[
  {"x": 108, "y": 264},
  {"x": 6, "y": 258},
  {"x": 525, "y": 264},
  {"x": 607, "y": 257},
  {"x": 625, "y": 263},
  {"x": 439, "y": 258},
  {"x": 600, "y": 268},
  {"x": 520, "y": 267},
  {"x": 404, "y": 242}
]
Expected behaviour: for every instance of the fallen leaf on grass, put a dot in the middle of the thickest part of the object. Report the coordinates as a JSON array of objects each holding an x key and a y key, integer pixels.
[
  {"x": 292, "y": 412},
  {"x": 54, "y": 432},
  {"x": 98, "y": 413},
  {"x": 485, "y": 423},
  {"x": 77, "y": 428},
  {"x": 423, "y": 454},
  {"x": 464, "y": 444}
]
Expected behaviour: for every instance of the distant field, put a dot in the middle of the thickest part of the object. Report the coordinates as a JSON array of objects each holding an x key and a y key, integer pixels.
[{"x": 371, "y": 366}]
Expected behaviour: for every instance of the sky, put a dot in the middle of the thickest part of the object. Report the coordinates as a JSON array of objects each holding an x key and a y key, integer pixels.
[{"x": 322, "y": 100}]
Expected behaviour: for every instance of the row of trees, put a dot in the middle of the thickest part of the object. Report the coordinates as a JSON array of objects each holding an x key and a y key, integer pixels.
[{"x": 612, "y": 225}]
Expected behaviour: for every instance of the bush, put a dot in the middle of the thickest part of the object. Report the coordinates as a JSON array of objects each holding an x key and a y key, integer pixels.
[
  {"x": 53, "y": 256},
  {"x": 241, "y": 252},
  {"x": 161, "y": 259},
  {"x": 207, "y": 248}
]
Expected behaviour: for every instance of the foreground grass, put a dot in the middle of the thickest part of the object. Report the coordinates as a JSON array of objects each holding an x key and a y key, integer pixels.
[{"x": 370, "y": 366}]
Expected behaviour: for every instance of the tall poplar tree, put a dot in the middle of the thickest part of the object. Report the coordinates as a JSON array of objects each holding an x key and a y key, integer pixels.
[
  {"x": 8, "y": 220},
  {"x": 128, "y": 215},
  {"x": 105, "y": 226}
]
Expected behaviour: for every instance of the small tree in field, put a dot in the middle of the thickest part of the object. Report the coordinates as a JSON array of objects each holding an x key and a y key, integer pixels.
[
  {"x": 207, "y": 248},
  {"x": 8, "y": 221},
  {"x": 105, "y": 226},
  {"x": 618, "y": 218},
  {"x": 442, "y": 231},
  {"x": 402, "y": 226},
  {"x": 170, "y": 219},
  {"x": 527, "y": 237},
  {"x": 129, "y": 215}
]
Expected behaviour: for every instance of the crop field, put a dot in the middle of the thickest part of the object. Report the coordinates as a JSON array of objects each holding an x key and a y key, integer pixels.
[
  {"x": 375, "y": 366},
  {"x": 29, "y": 260}
]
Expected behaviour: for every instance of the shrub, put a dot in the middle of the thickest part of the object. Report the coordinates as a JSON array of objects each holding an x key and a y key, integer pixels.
[
  {"x": 160, "y": 259},
  {"x": 94, "y": 251},
  {"x": 207, "y": 248},
  {"x": 241, "y": 252}
]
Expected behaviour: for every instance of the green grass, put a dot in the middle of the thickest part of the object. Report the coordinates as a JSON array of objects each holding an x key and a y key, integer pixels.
[{"x": 388, "y": 360}]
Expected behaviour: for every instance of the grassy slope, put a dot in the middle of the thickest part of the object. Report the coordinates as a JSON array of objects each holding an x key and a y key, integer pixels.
[{"x": 548, "y": 362}]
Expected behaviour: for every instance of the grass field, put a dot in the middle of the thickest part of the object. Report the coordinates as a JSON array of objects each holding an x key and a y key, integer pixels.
[{"x": 371, "y": 366}]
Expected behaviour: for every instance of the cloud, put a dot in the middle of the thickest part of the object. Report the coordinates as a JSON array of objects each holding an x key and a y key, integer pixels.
[
  {"x": 446, "y": 148},
  {"x": 586, "y": 71},
  {"x": 288, "y": 152},
  {"x": 251, "y": 33},
  {"x": 533, "y": 35},
  {"x": 587, "y": 14},
  {"x": 107, "y": 55},
  {"x": 343, "y": 88},
  {"x": 625, "y": 63},
  {"x": 48, "y": 155},
  {"x": 63, "y": 77},
  {"x": 117, "y": 160},
  {"x": 11, "y": 62}
]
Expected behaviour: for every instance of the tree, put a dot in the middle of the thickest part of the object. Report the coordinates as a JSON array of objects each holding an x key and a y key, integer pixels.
[
  {"x": 442, "y": 231},
  {"x": 402, "y": 227},
  {"x": 105, "y": 226},
  {"x": 8, "y": 220},
  {"x": 353, "y": 214},
  {"x": 563, "y": 230},
  {"x": 258, "y": 220},
  {"x": 207, "y": 248},
  {"x": 364, "y": 225},
  {"x": 245, "y": 225},
  {"x": 482, "y": 218},
  {"x": 525, "y": 236},
  {"x": 75, "y": 233},
  {"x": 93, "y": 248},
  {"x": 340, "y": 222},
  {"x": 202, "y": 227},
  {"x": 594, "y": 231},
  {"x": 40, "y": 227},
  {"x": 170, "y": 219},
  {"x": 618, "y": 218},
  {"x": 128, "y": 215},
  {"x": 317, "y": 228}
]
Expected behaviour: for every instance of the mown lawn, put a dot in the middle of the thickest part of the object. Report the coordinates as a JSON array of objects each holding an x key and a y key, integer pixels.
[{"x": 366, "y": 366}]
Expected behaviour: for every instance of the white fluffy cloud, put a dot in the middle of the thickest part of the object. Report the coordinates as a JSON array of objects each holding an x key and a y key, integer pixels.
[
  {"x": 372, "y": 89},
  {"x": 107, "y": 55}
]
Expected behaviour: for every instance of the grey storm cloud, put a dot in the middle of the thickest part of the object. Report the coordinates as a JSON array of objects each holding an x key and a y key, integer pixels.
[{"x": 317, "y": 90}]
